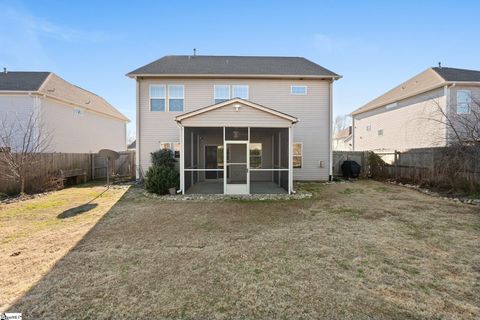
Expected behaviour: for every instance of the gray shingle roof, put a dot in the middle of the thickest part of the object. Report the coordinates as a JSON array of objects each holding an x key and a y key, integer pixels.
[
  {"x": 233, "y": 65},
  {"x": 454, "y": 74},
  {"x": 22, "y": 81}
]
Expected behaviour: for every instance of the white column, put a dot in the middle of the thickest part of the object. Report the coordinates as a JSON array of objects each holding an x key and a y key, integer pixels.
[
  {"x": 290, "y": 159},
  {"x": 248, "y": 162},
  {"x": 182, "y": 159},
  {"x": 224, "y": 164}
]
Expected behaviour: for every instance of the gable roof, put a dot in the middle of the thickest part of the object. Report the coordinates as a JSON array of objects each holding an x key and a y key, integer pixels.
[
  {"x": 52, "y": 86},
  {"x": 344, "y": 133},
  {"x": 430, "y": 79},
  {"x": 181, "y": 65},
  {"x": 22, "y": 81},
  {"x": 236, "y": 100},
  {"x": 454, "y": 74}
]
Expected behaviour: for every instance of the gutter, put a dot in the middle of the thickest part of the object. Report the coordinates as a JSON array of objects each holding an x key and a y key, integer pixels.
[{"x": 220, "y": 76}]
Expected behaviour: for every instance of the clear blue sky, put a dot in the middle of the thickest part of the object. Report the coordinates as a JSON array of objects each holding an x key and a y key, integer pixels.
[{"x": 375, "y": 45}]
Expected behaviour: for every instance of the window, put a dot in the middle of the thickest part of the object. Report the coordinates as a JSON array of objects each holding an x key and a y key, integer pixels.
[
  {"x": 380, "y": 132},
  {"x": 463, "y": 101},
  {"x": 240, "y": 91},
  {"x": 298, "y": 90},
  {"x": 255, "y": 155},
  {"x": 222, "y": 93},
  {"x": 369, "y": 128},
  {"x": 174, "y": 146},
  {"x": 157, "y": 97},
  {"x": 175, "y": 98},
  {"x": 297, "y": 154}
]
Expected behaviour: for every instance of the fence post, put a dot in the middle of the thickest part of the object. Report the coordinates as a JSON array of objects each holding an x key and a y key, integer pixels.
[
  {"x": 395, "y": 167},
  {"x": 92, "y": 161}
]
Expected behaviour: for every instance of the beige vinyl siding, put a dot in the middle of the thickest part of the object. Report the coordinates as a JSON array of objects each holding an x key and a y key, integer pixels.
[
  {"x": 452, "y": 109},
  {"x": 85, "y": 133},
  {"x": 312, "y": 110},
  {"x": 16, "y": 108},
  {"x": 246, "y": 116},
  {"x": 413, "y": 123}
]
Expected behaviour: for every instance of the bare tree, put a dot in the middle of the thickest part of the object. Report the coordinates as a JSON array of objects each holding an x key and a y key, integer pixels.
[
  {"x": 462, "y": 122},
  {"x": 23, "y": 138},
  {"x": 341, "y": 122}
]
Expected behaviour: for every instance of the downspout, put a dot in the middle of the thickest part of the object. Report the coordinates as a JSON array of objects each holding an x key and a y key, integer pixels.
[
  {"x": 447, "y": 108},
  {"x": 330, "y": 144},
  {"x": 137, "y": 130}
]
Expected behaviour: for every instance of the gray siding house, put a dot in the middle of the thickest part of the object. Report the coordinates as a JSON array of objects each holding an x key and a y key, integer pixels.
[
  {"x": 415, "y": 113},
  {"x": 236, "y": 124}
]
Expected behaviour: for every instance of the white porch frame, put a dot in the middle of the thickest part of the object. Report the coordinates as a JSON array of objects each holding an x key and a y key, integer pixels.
[{"x": 225, "y": 164}]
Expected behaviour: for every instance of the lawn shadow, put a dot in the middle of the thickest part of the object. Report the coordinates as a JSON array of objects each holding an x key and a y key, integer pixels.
[{"x": 72, "y": 212}]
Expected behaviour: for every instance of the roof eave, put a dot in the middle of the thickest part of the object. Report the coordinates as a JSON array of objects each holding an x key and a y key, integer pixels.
[{"x": 233, "y": 75}]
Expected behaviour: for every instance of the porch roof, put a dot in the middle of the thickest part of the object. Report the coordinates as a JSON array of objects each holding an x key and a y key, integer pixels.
[{"x": 237, "y": 104}]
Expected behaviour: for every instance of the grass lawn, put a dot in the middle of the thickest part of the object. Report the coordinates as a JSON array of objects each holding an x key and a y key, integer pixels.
[{"x": 355, "y": 250}]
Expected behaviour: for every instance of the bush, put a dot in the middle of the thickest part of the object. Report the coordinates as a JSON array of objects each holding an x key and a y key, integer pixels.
[
  {"x": 162, "y": 176},
  {"x": 376, "y": 163},
  {"x": 163, "y": 157}
]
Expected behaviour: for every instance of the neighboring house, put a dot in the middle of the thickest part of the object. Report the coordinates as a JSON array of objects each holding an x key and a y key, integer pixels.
[
  {"x": 272, "y": 115},
  {"x": 132, "y": 145},
  {"x": 343, "y": 140},
  {"x": 413, "y": 114},
  {"x": 76, "y": 120}
]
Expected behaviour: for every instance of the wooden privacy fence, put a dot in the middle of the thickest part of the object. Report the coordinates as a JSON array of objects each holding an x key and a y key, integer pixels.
[
  {"x": 49, "y": 165},
  {"x": 433, "y": 166},
  {"x": 361, "y": 157}
]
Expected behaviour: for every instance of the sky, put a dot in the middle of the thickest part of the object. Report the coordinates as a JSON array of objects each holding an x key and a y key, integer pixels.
[{"x": 374, "y": 45}]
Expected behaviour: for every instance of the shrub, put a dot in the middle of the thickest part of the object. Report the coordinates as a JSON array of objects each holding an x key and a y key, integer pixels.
[
  {"x": 162, "y": 176},
  {"x": 375, "y": 162},
  {"x": 163, "y": 157}
]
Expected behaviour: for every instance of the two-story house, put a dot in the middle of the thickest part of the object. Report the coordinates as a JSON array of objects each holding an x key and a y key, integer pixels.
[
  {"x": 428, "y": 110},
  {"x": 236, "y": 124},
  {"x": 57, "y": 115}
]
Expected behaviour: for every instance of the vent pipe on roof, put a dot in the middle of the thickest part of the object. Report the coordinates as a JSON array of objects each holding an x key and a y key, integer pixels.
[
  {"x": 194, "y": 52},
  {"x": 440, "y": 65},
  {"x": 4, "y": 70}
]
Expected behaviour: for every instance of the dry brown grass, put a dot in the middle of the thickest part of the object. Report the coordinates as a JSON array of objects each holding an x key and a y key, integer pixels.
[{"x": 361, "y": 250}]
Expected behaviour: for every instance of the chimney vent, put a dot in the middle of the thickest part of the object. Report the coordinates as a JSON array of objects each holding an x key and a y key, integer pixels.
[
  {"x": 4, "y": 70},
  {"x": 440, "y": 65},
  {"x": 194, "y": 52}
]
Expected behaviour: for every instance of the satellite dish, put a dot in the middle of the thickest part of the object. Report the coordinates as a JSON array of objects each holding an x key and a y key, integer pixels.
[{"x": 110, "y": 154}]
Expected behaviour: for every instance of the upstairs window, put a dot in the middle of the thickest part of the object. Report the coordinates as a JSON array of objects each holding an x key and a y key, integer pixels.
[
  {"x": 221, "y": 93},
  {"x": 369, "y": 128},
  {"x": 298, "y": 90},
  {"x": 240, "y": 91},
  {"x": 175, "y": 98},
  {"x": 157, "y": 97},
  {"x": 463, "y": 101},
  {"x": 380, "y": 132}
]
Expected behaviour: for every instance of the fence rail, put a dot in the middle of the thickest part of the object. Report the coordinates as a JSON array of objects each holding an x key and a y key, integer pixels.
[{"x": 48, "y": 166}]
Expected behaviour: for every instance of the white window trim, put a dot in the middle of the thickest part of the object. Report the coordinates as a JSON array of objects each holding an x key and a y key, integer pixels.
[
  {"x": 301, "y": 155},
  {"x": 240, "y": 85},
  {"x": 298, "y": 94},
  {"x": 167, "y": 100},
  {"x": 150, "y": 95},
  {"x": 469, "y": 93},
  {"x": 221, "y": 85}
]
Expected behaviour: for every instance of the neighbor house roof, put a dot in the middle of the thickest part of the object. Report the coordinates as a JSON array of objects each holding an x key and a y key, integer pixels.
[
  {"x": 429, "y": 79},
  {"x": 178, "y": 65},
  {"x": 344, "y": 133},
  {"x": 50, "y": 85},
  {"x": 22, "y": 81},
  {"x": 232, "y": 101}
]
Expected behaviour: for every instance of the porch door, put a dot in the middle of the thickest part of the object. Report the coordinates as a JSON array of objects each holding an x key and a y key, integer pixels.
[
  {"x": 211, "y": 161},
  {"x": 237, "y": 177}
]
